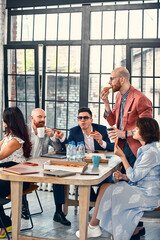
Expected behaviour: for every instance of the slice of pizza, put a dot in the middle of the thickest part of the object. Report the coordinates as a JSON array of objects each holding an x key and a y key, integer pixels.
[
  {"x": 107, "y": 88},
  {"x": 116, "y": 141},
  {"x": 93, "y": 133}
]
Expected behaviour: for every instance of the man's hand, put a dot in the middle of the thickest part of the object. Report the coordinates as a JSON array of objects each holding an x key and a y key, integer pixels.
[
  {"x": 58, "y": 134},
  {"x": 104, "y": 97},
  {"x": 98, "y": 137},
  {"x": 116, "y": 133},
  {"x": 48, "y": 132}
]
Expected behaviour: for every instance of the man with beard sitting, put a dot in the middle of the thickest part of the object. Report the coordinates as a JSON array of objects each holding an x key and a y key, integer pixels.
[{"x": 40, "y": 146}]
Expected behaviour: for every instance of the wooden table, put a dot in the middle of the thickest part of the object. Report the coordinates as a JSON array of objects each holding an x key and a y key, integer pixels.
[{"x": 83, "y": 181}]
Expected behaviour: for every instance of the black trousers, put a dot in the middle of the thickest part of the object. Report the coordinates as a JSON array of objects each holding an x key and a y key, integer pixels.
[{"x": 4, "y": 192}]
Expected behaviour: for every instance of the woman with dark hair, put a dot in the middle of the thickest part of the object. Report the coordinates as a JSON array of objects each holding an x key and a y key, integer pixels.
[
  {"x": 120, "y": 206},
  {"x": 14, "y": 148}
]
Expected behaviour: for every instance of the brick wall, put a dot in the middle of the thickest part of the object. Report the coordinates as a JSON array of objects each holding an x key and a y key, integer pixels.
[{"x": 3, "y": 31}]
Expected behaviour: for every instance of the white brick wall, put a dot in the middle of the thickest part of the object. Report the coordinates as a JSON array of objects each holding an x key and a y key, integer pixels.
[{"x": 3, "y": 32}]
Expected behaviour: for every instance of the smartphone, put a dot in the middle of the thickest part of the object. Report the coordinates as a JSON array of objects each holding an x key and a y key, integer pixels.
[{"x": 30, "y": 164}]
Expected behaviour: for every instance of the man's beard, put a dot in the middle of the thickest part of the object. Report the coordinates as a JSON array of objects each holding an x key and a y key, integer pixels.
[
  {"x": 117, "y": 86},
  {"x": 39, "y": 124}
]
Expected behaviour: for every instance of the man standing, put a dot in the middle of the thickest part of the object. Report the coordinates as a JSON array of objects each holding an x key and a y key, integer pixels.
[
  {"x": 40, "y": 146},
  {"x": 130, "y": 105},
  {"x": 98, "y": 141}
]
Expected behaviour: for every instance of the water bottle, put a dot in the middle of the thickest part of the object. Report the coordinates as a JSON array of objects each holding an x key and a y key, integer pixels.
[
  {"x": 68, "y": 152},
  {"x": 73, "y": 151},
  {"x": 83, "y": 147},
  {"x": 79, "y": 153}
]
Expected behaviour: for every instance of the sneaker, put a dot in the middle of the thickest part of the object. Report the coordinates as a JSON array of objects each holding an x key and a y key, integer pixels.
[{"x": 92, "y": 232}]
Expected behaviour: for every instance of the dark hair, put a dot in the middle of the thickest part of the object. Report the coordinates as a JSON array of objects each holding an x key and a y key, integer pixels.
[
  {"x": 85, "y": 109},
  {"x": 149, "y": 129},
  {"x": 16, "y": 126}
]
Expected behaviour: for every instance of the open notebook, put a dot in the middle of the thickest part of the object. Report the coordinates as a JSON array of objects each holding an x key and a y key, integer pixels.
[{"x": 20, "y": 170}]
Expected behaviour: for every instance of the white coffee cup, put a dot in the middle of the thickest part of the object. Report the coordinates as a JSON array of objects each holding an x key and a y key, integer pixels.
[{"x": 41, "y": 132}]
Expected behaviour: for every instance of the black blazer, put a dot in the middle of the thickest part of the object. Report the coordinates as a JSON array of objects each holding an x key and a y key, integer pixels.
[{"x": 76, "y": 135}]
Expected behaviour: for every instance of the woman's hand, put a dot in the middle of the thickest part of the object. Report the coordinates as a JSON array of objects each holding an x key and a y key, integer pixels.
[
  {"x": 118, "y": 175},
  {"x": 118, "y": 151}
]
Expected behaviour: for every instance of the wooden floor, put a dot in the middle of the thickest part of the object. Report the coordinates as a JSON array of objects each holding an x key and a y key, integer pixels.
[{"x": 44, "y": 225}]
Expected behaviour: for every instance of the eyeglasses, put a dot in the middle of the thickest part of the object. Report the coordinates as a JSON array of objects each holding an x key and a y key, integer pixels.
[
  {"x": 85, "y": 118},
  {"x": 112, "y": 78}
]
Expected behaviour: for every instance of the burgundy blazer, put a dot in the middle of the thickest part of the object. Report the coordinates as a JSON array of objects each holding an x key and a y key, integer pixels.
[{"x": 137, "y": 106}]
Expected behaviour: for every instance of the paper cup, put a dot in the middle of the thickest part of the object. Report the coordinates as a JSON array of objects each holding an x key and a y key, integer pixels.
[
  {"x": 41, "y": 132},
  {"x": 96, "y": 160},
  {"x": 111, "y": 140}
]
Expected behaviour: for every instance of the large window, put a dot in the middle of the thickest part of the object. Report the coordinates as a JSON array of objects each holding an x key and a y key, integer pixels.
[{"x": 80, "y": 45}]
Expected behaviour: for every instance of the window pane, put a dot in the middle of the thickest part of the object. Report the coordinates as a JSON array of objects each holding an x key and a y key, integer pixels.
[
  {"x": 63, "y": 30},
  {"x": 11, "y": 104},
  {"x": 136, "y": 61},
  {"x": 50, "y": 113},
  {"x": 11, "y": 61},
  {"x": 27, "y": 29},
  {"x": 30, "y": 65},
  {"x": 21, "y": 96},
  {"x": 22, "y": 107},
  {"x": 62, "y": 81},
  {"x": 51, "y": 59},
  {"x": 61, "y": 115},
  {"x": 157, "y": 61},
  {"x": 103, "y": 121},
  {"x": 147, "y": 58},
  {"x": 93, "y": 94},
  {"x": 20, "y": 61},
  {"x": 94, "y": 108},
  {"x": 94, "y": 59},
  {"x": 105, "y": 78},
  {"x": 30, "y": 107},
  {"x": 50, "y": 87},
  {"x": 72, "y": 114},
  {"x": 150, "y": 23},
  {"x": 121, "y": 24},
  {"x": 76, "y": 22},
  {"x": 39, "y": 27},
  {"x": 51, "y": 32},
  {"x": 63, "y": 59},
  {"x": 148, "y": 88},
  {"x": 30, "y": 88},
  {"x": 96, "y": 25},
  {"x": 157, "y": 116},
  {"x": 107, "y": 59},
  {"x": 11, "y": 87},
  {"x": 136, "y": 83},
  {"x": 135, "y": 24},
  {"x": 157, "y": 93},
  {"x": 108, "y": 25},
  {"x": 74, "y": 87},
  {"x": 120, "y": 56},
  {"x": 75, "y": 52},
  {"x": 15, "y": 28}
]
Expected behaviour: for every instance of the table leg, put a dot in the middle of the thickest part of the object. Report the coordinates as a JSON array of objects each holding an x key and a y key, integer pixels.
[
  {"x": 16, "y": 201},
  {"x": 84, "y": 196}
]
